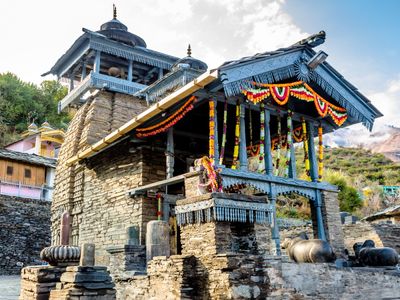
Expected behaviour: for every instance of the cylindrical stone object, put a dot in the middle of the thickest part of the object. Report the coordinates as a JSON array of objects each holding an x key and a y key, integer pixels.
[{"x": 157, "y": 239}]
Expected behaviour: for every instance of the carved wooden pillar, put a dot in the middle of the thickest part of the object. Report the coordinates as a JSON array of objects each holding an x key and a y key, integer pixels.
[
  {"x": 170, "y": 161},
  {"x": 274, "y": 225},
  {"x": 311, "y": 153},
  {"x": 96, "y": 66},
  {"x": 160, "y": 73},
  {"x": 292, "y": 166},
  {"x": 320, "y": 220},
  {"x": 242, "y": 143},
  {"x": 130, "y": 71},
  {"x": 267, "y": 144},
  {"x": 83, "y": 75}
]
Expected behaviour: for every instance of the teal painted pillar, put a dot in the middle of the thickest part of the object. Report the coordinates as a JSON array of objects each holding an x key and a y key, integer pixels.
[
  {"x": 267, "y": 144},
  {"x": 130, "y": 71},
  {"x": 97, "y": 62},
  {"x": 311, "y": 153},
  {"x": 216, "y": 142},
  {"x": 83, "y": 75},
  {"x": 160, "y": 73},
  {"x": 170, "y": 160},
  {"x": 320, "y": 220},
  {"x": 292, "y": 166},
  {"x": 275, "y": 226},
  {"x": 71, "y": 81},
  {"x": 242, "y": 143}
]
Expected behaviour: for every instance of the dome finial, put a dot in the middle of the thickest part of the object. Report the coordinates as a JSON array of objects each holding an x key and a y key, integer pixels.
[
  {"x": 114, "y": 11},
  {"x": 189, "y": 51}
]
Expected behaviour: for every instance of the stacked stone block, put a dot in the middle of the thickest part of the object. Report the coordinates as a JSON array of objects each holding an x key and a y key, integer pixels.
[{"x": 38, "y": 281}]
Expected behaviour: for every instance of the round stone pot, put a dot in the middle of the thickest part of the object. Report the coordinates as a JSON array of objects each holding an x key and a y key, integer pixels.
[{"x": 61, "y": 255}]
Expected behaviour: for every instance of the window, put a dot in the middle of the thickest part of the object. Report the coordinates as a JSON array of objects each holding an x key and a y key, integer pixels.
[
  {"x": 28, "y": 173},
  {"x": 10, "y": 170}
]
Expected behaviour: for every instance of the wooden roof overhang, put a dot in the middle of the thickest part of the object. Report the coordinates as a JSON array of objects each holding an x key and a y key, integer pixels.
[
  {"x": 290, "y": 64},
  {"x": 91, "y": 40}
]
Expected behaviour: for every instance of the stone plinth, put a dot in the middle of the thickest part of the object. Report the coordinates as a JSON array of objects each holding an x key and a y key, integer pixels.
[
  {"x": 127, "y": 258},
  {"x": 38, "y": 281},
  {"x": 81, "y": 283}
]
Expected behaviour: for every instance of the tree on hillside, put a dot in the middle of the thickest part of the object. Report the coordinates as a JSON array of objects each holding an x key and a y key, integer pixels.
[
  {"x": 349, "y": 199},
  {"x": 22, "y": 102}
]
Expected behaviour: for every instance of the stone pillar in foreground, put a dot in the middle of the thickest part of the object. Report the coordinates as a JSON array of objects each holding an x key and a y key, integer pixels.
[{"x": 157, "y": 239}]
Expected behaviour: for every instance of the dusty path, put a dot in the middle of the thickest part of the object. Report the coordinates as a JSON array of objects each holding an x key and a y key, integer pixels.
[{"x": 9, "y": 287}]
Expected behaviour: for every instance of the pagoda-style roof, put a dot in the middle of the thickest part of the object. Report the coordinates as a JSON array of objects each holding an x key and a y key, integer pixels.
[{"x": 92, "y": 40}]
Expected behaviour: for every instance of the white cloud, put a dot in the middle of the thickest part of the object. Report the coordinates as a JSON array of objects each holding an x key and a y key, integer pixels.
[{"x": 217, "y": 30}]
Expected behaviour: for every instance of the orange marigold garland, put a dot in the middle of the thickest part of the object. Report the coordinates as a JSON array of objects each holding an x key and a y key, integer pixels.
[
  {"x": 280, "y": 94},
  {"x": 168, "y": 125},
  {"x": 320, "y": 154},
  {"x": 175, "y": 114},
  {"x": 211, "y": 153},
  {"x": 305, "y": 144},
  {"x": 256, "y": 95},
  {"x": 237, "y": 138},
  {"x": 298, "y": 134}
]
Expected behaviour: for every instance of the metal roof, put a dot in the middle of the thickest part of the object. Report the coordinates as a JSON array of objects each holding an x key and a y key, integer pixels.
[{"x": 28, "y": 158}]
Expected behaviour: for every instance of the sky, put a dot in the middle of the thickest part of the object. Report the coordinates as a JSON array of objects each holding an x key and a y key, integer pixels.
[{"x": 362, "y": 42}]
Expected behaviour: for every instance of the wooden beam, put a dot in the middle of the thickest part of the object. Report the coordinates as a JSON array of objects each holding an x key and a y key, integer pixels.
[{"x": 142, "y": 189}]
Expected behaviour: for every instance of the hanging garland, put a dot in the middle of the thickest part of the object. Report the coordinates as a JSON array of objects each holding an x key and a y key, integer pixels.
[
  {"x": 173, "y": 116},
  {"x": 262, "y": 133},
  {"x": 237, "y": 137},
  {"x": 256, "y": 95},
  {"x": 221, "y": 156},
  {"x": 301, "y": 90},
  {"x": 211, "y": 152},
  {"x": 278, "y": 147},
  {"x": 305, "y": 144},
  {"x": 289, "y": 142},
  {"x": 320, "y": 154}
]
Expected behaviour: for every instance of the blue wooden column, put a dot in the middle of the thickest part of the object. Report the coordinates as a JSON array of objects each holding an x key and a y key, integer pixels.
[
  {"x": 71, "y": 81},
  {"x": 242, "y": 143},
  {"x": 170, "y": 160},
  {"x": 292, "y": 166},
  {"x": 160, "y": 73},
  {"x": 96, "y": 66},
  {"x": 318, "y": 211},
  {"x": 83, "y": 75},
  {"x": 275, "y": 227},
  {"x": 311, "y": 153},
  {"x": 314, "y": 177},
  {"x": 130, "y": 71},
  {"x": 267, "y": 144},
  {"x": 216, "y": 143}
]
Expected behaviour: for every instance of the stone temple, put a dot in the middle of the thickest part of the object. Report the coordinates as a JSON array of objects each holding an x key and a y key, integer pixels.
[{"x": 172, "y": 171}]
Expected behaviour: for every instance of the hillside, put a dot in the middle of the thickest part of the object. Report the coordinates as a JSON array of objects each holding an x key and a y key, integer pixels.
[{"x": 363, "y": 166}]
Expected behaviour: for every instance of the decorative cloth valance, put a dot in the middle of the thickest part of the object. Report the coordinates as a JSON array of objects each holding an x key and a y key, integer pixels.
[
  {"x": 300, "y": 90},
  {"x": 216, "y": 209}
]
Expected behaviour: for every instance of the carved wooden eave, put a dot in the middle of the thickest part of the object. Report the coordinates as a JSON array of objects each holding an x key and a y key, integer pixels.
[
  {"x": 91, "y": 40},
  {"x": 289, "y": 63}
]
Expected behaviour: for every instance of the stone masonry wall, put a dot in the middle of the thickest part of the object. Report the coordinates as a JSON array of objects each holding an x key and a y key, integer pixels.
[
  {"x": 290, "y": 280},
  {"x": 107, "y": 210},
  {"x": 97, "y": 189},
  {"x": 24, "y": 232},
  {"x": 384, "y": 235},
  {"x": 332, "y": 222}
]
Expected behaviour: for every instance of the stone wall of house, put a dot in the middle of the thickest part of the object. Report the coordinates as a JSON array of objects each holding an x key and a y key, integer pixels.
[
  {"x": 107, "y": 210},
  {"x": 24, "y": 232},
  {"x": 384, "y": 235},
  {"x": 94, "y": 191}
]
